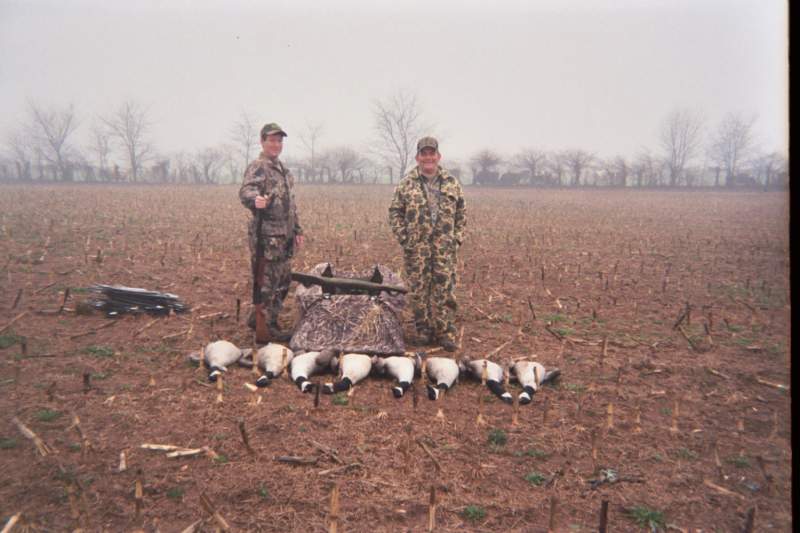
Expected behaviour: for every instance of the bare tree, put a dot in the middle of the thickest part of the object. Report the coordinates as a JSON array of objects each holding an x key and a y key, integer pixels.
[
  {"x": 244, "y": 134},
  {"x": 577, "y": 160},
  {"x": 21, "y": 150},
  {"x": 621, "y": 171},
  {"x": 483, "y": 165},
  {"x": 130, "y": 125},
  {"x": 51, "y": 129},
  {"x": 533, "y": 160},
  {"x": 398, "y": 125},
  {"x": 209, "y": 159},
  {"x": 680, "y": 138},
  {"x": 554, "y": 168},
  {"x": 100, "y": 146},
  {"x": 768, "y": 167},
  {"x": 732, "y": 143},
  {"x": 310, "y": 136}
]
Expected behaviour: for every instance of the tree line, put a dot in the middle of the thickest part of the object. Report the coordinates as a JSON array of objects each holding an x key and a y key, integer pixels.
[{"x": 120, "y": 149}]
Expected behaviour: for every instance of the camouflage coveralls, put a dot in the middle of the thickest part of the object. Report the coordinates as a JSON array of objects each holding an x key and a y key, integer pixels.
[
  {"x": 430, "y": 246},
  {"x": 279, "y": 227}
]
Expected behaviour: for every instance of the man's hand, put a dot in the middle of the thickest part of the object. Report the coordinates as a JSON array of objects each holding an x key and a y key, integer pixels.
[
  {"x": 261, "y": 202},
  {"x": 298, "y": 241}
]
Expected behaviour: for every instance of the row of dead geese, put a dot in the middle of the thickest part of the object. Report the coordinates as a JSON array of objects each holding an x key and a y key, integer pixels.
[{"x": 442, "y": 372}]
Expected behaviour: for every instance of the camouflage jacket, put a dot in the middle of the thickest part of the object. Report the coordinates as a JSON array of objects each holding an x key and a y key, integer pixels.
[
  {"x": 410, "y": 217},
  {"x": 272, "y": 179}
]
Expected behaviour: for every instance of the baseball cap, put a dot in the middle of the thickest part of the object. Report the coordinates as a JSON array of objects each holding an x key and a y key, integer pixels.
[
  {"x": 271, "y": 129},
  {"x": 427, "y": 142}
]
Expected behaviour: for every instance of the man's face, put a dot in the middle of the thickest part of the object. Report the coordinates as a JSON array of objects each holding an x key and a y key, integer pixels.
[
  {"x": 273, "y": 145},
  {"x": 428, "y": 161}
]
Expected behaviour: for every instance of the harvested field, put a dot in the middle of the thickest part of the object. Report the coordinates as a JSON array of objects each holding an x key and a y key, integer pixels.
[{"x": 693, "y": 408}]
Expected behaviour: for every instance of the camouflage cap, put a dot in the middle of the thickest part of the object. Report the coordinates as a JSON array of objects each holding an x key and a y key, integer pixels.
[
  {"x": 271, "y": 129},
  {"x": 427, "y": 142}
]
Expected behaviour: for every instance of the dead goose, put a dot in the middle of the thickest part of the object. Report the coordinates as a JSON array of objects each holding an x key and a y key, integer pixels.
[
  {"x": 218, "y": 355},
  {"x": 272, "y": 359},
  {"x": 306, "y": 364},
  {"x": 399, "y": 367},
  {"x": 494, "y": 376},
  {"x": 531, "y": 375},
  {"x": 443, "y": 373},
  {"x": 354, "y": 368}
]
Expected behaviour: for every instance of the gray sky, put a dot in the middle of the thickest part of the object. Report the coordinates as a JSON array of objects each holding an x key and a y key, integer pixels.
[{"x": 598, "y": 75}]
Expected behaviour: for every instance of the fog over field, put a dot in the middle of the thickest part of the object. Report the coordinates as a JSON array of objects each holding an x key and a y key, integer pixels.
[{"x": 598, "y": 76}]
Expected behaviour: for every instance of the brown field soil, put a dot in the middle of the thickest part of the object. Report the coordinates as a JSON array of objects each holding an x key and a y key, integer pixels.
[{"x": 599, "y": 269}]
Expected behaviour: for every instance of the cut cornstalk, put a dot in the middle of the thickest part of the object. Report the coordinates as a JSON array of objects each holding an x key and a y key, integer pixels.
[
  {"x": 208, "y": 507},
  {"x": 432, "y": 510},
  {"x": 245, "y": 440},
  {"x": 333, "y": 515},
  {"x": 43, "y": 448}
]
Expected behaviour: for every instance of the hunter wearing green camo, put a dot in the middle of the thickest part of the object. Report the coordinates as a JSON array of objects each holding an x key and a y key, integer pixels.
[
  {"x": 269, "y": 186},
  {"x": 427, "y": 216}
]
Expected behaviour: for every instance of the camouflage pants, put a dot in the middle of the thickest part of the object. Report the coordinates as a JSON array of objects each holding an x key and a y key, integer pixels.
[
  {"x": 431, "y": 282},
  {"x": 277, "y": 275}
]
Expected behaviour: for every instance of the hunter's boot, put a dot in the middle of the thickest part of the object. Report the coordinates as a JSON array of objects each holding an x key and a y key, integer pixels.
[{"x": 276, "y": 333}]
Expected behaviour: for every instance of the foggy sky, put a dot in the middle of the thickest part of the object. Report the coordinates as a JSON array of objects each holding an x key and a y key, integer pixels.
[{"x": 598, "y": 75}]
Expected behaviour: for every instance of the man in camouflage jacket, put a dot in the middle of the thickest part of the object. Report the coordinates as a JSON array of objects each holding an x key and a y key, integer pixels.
[
  {"x": 427, "y": 216},
  {"x": 268, "y": 186}
]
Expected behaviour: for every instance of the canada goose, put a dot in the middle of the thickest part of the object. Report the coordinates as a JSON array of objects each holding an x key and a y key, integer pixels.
[
  {"x": 399, "y": 367},
  {"x": 531, "y": 375},
  {"x": 443, "y": 373},
  {"x": 218, "y": 355},
  {"x": 354, "y": 368},
  {"x": 272, "y": 359},
  {"x": 307, "y": 364},
  {"x": 494, "y": 376}
]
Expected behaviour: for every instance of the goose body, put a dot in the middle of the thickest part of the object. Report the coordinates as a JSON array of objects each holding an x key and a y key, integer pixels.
[
  {"x": 307, "y": 364},
  {"x": 354, "y": 367},
  {"x": 218, "y": 355},
  {"x": 443, "y": 373},
  {"x": 494, "y": 376},
  {"x": 526, "y": 373},
  {"x": 272, "y": 359},
  {"x": 399, "y": 367}
]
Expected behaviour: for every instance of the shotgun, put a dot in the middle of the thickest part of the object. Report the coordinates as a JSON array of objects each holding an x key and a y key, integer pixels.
[{"x": 262, "y": 336}]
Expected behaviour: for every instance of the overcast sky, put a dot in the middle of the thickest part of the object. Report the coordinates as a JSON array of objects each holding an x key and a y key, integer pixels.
[{"x": 595, "y": 74}]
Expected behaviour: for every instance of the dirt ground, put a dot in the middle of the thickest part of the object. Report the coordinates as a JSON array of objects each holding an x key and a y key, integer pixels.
[{"x": 695, "y": 419}]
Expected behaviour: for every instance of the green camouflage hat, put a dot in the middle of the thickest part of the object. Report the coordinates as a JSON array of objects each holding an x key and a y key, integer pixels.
[
  {"x": 427, "y": 142},
  {"x": 271, "y": 129}
]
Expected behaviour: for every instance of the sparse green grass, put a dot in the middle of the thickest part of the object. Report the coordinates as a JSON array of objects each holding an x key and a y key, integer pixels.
[
  {"x": 685, "y": 454},
  {"x": 497, "y": 437},
  {"x": 564, "y": 331},
  {"x": 175, "y": 493},
  {"x": 554, "y": 318},
  {"x": 47, "y": 415},
  {"x": 99, "y": 376},
  {"x": 744, "y": 341},
  {"x": 739, "y": 461},
  {"x": 9, "y": 339},
  {"x": 647, "y": 518},
  {"x": 99, "y": 351},
  {"x": 657, "y": 457},
  {"x": 221, "y": 459},
  {"x": 473, "y": 513},
  {"x": 340, "y": 398},
  {"x": 535, "y": 478},
  {"x": 8, "y": 443},
  {"x": 533, "y": 452},
  {"x": 263, "y": 492},
  {"x": 574, "y": 387}
]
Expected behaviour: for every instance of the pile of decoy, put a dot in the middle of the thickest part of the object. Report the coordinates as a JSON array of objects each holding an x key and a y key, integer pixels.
[{"x": 116, "y": 300}]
